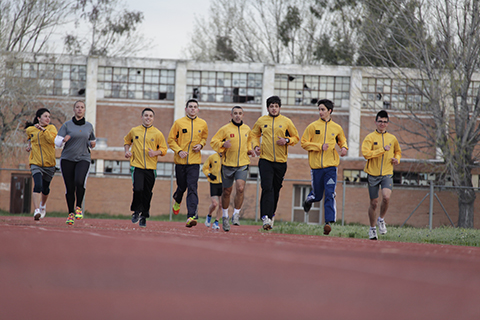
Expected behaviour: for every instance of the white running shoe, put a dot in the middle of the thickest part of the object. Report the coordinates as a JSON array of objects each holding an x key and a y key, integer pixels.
[
  {"x": 382, "y": 228},
  {"x": 37, "y": 214},
  {"x": 267, "y": 223},
  {"x": 215, "y": 226},
  {"x": 236, "y": 219},
  {"x": 43, "y": 211},
  {"x": 372, "y": 234}
]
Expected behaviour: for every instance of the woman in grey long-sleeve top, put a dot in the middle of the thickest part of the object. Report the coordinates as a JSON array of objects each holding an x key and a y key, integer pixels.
[{"x": 77, "y": 136}]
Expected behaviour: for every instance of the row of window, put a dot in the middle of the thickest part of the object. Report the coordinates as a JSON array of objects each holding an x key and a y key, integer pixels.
[
  {"x": 397, "y": 94},
  {"x": 227, "y": 87}
]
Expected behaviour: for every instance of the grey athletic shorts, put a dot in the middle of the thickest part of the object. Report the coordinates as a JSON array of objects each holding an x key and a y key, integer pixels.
[
  {"x": 374, "y": 183},
  {"x": 230, "y": 174},
  {"x": 47, "y": 172}
]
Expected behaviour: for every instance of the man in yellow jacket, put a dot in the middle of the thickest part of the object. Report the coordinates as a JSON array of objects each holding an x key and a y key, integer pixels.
[
  {"x": 319, "y": 139},
  {"x": 147, "y": 143},
  {"x": 382, "y": 151},
  {"x": 278, "y": 133},
  {"x": 187, "y": 138},
  {"x": 233, "y": 141}
]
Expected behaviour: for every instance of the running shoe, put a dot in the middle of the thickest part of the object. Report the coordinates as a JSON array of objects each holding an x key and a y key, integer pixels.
[
  {"x": 327, "y": 228},
  {"x": 135, "y": 217},
  {"x": 176, "y": 208},
  {"x": 307, "y": 206},
  {"x": 71, "y": 219},
  {"x": 382, "y": 228},
  {"x": 215, "y": 225},
  {"x": 208, "y": 221},
  {"x": 43, "y": 211},
  {"x": 37, "y": 214},
  {"x": 267, "y": 223},
  {"x": 78, "y": 213},
  {"x": 236, "y": 219},
  {"x": 191, "y": 222},
  {"x": 225, "y": 224},
  {"x": 372, "y": 234},
  {"x": 142, "y": 222}
]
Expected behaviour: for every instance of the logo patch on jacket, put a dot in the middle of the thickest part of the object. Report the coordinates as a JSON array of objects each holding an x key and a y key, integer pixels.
[
  {"x": 317, "y": 131},
  {"x": 375, "y": 143},
  {"x": 232, "y": 135},
  {"x": 265, "y": 126},
  {"x": 184, "y": 130},
  {"x": 136, "y": 137}
]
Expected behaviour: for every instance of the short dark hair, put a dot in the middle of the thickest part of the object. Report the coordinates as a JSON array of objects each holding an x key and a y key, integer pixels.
[
  {"x": 236, "y": 107},
  {"x": 381, "y": 114},
  {"x": 273, "y": 100},
  {"x": 148, "y": 109},
  {"x": 191, "y": 100},
  {"x": 327, "y": 103}
]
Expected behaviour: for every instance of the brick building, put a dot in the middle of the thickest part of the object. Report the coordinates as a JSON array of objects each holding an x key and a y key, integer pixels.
[{"x": 117, "y": 89}]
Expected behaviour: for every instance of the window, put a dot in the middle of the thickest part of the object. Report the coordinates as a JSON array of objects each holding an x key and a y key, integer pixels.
[
  {"x": 53, "y": 79},
  {"x": 307, "y": 90},
  {"x": 394, "y": 94},
  {"x": 230, "y": 87},
  {"x": 116, "y": 167},
  {"x": 137, "y": 83}
]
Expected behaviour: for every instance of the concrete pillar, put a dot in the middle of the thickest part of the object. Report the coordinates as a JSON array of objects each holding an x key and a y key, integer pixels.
[
  {"x": 180, "y": 89},
  {"x": 268, "y": 86},
  {"x": 91, "y": 90},
  {"x": 355, "y": 113}
]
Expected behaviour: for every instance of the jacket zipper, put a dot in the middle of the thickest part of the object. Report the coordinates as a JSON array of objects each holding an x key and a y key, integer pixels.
[
  {"x": 273, "y": 139},
  {"x": 191, "y": 138},
  {"x": 144, "y": 146},
  {"x": 40, "y": 147},
  {"x": 324, "y": 140},
  {"x": 381, "y": 165},
  {"x": 239, "y": 146}
]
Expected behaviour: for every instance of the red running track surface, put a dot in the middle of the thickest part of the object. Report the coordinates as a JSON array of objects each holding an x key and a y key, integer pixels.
[{"x": 112, "y": 269}]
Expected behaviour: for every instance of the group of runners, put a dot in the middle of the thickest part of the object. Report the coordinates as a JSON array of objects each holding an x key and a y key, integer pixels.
[{"x": 234, "y": 144}]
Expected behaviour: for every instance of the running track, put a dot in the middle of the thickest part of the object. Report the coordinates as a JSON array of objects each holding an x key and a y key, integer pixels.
[{"x": 111, "y": 269}]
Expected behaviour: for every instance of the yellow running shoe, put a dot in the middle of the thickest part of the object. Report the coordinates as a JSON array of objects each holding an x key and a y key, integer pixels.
[
  {"x": 191, "y": 222},
  {"x": 78, "y": 214},
  {"x": 176, "y": 208}
]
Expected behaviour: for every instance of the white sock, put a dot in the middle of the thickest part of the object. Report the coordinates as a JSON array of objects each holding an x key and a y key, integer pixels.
[
  {"x": 373, "y": 228},
  {"x": 380, "y": 219},
  {"x": 236, "y": 211},
  {"x": 225, "y": 213},
  {"x": 42, "y": 206}
]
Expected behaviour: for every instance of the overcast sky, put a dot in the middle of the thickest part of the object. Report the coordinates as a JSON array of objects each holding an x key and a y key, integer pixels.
[{"x": 169, "y": 24}]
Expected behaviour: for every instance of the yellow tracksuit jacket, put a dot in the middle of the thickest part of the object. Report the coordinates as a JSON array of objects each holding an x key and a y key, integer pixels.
[
  {"x": 184, "y": 135},
  {"x": 270, "y": 129},
  {"x": 43, "y": 145},
  {"x": 379, "y": 161},
  {"x": 213, "y": 165},
  {"x": 141, "y": 139},
  {"x": 318, "y": 133},
  {"x": 236, "y": 155}
]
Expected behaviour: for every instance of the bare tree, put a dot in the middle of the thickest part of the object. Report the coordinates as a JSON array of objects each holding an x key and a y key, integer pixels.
[
  {"x": 257, "y": 31},
  {"x": 441, "y": 41},
  {"x": 26, "y": 25},
  {"x": 105, "y": 27}
]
